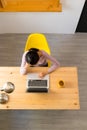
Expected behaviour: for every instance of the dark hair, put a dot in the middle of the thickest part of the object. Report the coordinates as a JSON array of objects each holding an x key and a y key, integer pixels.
[{"x": 32, "y": 56}]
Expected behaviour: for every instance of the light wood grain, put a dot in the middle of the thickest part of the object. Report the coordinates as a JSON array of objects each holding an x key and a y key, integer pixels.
[
  {"x": 57, "y": 97},
  {"x": 32, "y": 5},
  {"x": 3, "y": 3}
]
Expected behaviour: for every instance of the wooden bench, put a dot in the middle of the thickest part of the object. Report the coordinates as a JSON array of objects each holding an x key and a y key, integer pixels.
[{"x": 30, "y": 6}]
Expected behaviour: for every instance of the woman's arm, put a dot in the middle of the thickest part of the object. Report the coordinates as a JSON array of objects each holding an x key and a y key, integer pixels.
[
  {"x": 55, "y": 64},
  {"x": 23, "y": 68}
]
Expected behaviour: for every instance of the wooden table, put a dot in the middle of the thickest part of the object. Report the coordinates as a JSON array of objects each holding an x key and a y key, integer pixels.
[{"x": 66, "y": 97}]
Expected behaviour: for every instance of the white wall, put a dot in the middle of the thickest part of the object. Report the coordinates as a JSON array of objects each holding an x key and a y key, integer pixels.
[{"x": 54, "y": 22}]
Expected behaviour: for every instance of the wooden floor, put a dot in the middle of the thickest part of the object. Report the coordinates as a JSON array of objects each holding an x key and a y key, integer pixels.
[{"x": 70, "y": 50}]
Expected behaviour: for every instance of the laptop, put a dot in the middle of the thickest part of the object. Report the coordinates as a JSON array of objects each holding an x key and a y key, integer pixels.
[{"x": 36, "y": 84}]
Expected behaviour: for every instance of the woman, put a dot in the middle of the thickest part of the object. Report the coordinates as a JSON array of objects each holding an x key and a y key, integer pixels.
[{"x": 35, "y": 57}]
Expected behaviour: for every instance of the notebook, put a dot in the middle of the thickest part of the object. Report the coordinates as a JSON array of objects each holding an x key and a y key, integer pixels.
[{"x": 36, "y": 84}]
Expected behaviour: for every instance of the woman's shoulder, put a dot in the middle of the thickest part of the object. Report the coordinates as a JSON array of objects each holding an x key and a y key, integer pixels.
[
  {"x": 43, "y": 51},
  {"x": 25, "y": 53}
]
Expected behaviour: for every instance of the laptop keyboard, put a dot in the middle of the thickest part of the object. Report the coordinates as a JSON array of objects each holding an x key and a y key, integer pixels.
[{"x": 38, "y": 83}]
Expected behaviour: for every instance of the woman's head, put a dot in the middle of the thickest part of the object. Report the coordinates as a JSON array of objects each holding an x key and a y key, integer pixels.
[{"x": 32, "y": 56}]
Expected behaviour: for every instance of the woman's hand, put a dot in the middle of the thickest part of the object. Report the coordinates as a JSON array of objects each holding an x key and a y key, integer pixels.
[
  {"x": 42, "y": 74},
  {"x": 27, "y": 65}
]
